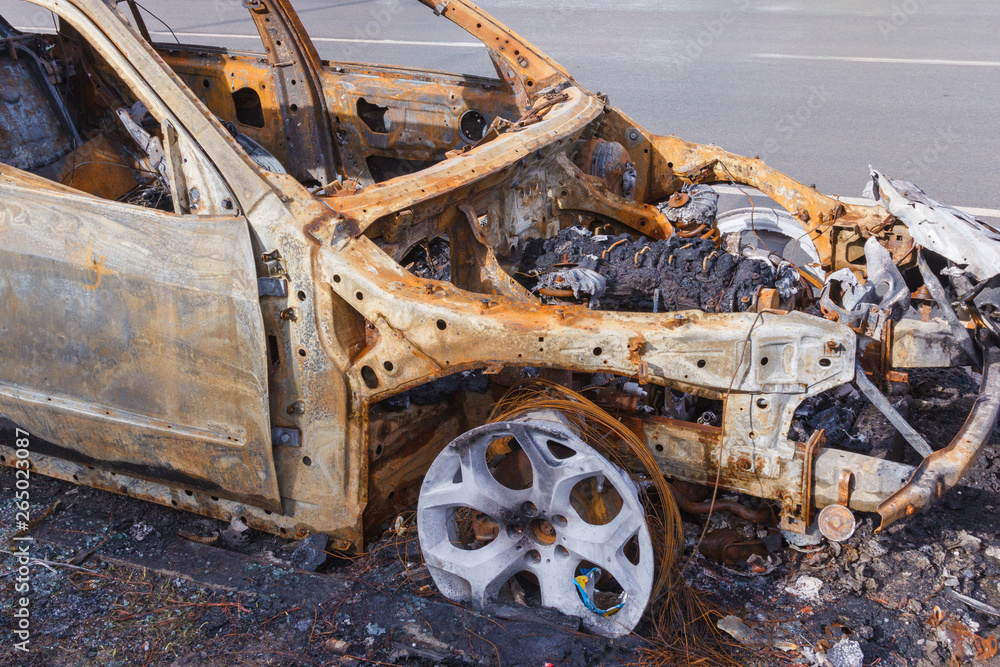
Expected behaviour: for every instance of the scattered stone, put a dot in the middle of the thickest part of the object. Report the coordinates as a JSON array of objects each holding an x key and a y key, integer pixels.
[
  {"x": 311, "y": 554},
  {"x": 140, "y": 531},
  {"x": 805, "y": 587},
  {"x": 374, "y": 630},
  {"x": 846, "y": 653},
  {"x": 810, "y": 538},
  {"x": 338, "y": 646},
  {"x": 970, "y": 543},
  {"x": 739, "y": 630}
]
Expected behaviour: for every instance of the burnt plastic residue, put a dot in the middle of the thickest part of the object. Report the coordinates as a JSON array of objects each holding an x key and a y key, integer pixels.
[{"x": 647, "y": 276}]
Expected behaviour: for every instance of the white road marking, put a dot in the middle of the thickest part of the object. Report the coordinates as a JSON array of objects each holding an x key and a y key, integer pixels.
[
  {"x": 344, "y": 40},
  {"x": 726, "y": 189},
  {"x": 894, "y": 61}
]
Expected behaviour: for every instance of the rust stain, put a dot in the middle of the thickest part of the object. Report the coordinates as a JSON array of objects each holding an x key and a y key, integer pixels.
[{"x": 97, "y": 266}]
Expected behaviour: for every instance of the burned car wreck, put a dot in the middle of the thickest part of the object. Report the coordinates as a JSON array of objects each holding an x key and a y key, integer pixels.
[{"x": 296, "y": 292}]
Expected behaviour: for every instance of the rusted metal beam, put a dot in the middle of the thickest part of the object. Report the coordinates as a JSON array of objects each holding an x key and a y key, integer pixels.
[{"x": 943, "y": 469}]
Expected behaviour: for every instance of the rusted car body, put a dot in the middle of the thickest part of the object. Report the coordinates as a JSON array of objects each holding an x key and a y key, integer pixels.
[{"x": 233, "y": 355}]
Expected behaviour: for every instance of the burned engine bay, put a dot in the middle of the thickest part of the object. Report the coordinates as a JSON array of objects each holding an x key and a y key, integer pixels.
[{"x": 911, "y": 308}]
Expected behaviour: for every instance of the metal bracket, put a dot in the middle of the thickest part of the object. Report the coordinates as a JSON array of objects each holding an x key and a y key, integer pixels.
[
  {"x": 272, "y": 287},
  {"x": 885, "y": 407},
  {"x": 441, "y": 8},
  {"x": 287, "y": 437},
  {"x": 798, "y": 521}
]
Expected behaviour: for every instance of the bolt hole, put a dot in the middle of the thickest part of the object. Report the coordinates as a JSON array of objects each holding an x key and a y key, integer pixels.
[
  {"x": 442, "y": 325},
  {"x": 359, "y": 296},
  {"x": 598, "y": 351},
  {"x": 762, "y": 403},
  {"x": 302, "y": 352},
  {"x": 764, "y": 361},
  {"x": 189, "y": 492},
  {"x": 369, "y": 377},
  {"x": 302, "y": 295},
  {"x": 307, "y": 461},
  {"x": 388, "y": 366},
  {"x": 702, "y": 363},
  {"x": 336, "y": 278},
  {"x": 825, "y": 363},
  {"x": 659, "y": 448}
]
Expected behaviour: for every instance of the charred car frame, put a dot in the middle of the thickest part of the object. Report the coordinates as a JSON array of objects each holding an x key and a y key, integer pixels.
[{"x": 273, "y": 287}]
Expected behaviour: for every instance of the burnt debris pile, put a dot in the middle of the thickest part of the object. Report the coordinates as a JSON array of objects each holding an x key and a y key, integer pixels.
[{"x": 640, "y": 275}]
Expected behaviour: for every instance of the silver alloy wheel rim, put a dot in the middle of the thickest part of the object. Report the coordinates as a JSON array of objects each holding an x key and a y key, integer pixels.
[{"x": 460, "y": 477}]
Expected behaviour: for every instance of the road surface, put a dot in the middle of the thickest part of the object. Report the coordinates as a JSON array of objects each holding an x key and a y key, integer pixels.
[{"x": 820, "y": 90}]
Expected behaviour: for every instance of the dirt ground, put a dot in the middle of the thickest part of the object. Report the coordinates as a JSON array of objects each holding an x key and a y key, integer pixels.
[{"x": 115, "y": 582}]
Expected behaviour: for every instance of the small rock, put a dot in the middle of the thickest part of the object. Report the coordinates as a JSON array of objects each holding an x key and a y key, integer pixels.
[
  {"x": 739, "y": 630},
  {"x": 140, "y": 531},
  {"x": 311, "y": 554},
  {"x": 374, "y": 629},
  {"x": 303, "y": 625},
  {"x": 970, "y": 543},
  {"x": 993, "y": 552},
  {"x": 805, "y": 587},
  {"x": 338, "y": 646},
  {"x": 951, "y": 582},
  {"x": 808, "y": 539},
  {"x": 874, "y": 548},
  {"x": 847, "y": 653}
]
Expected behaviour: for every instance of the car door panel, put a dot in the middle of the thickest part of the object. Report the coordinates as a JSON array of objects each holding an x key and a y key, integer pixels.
[{"x": 133, "y": 340}]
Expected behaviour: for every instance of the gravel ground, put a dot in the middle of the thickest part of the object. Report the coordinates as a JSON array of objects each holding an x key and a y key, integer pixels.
[{"x": 925, "y": 592}]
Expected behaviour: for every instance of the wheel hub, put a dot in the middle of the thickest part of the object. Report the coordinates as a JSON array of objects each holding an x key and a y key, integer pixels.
[{"x": 567, "y": 511}]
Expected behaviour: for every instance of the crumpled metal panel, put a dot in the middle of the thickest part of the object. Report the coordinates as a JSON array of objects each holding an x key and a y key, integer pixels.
[{"x": 947, "y": 231}]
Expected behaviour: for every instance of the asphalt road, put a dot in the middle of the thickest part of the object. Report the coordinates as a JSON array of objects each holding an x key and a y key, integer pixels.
[{"x": 820, "y": 90}]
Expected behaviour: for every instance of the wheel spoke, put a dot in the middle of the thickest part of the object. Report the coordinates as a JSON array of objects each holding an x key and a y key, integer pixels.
[
  {"x": 554, "y": 477},
  {"x": 485, "y": 569},
  {"x": 613, "y": 535},
  {"x": 555, "y": 579},
  {"x": 477, "y": 490}
]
